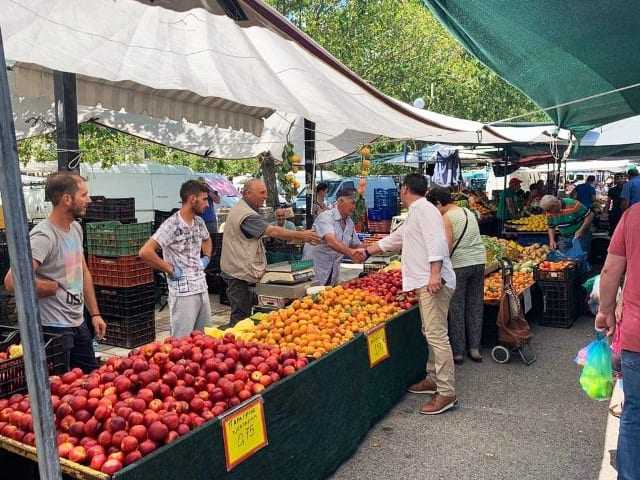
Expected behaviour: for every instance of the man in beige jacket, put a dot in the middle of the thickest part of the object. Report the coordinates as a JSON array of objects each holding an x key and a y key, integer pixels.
[{"x": 243, "y": 260}]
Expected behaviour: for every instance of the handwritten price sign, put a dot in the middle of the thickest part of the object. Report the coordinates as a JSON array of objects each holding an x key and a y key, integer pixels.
[
  {"x": 377, "y": 343},
  {"x": 244, "y": 432}
]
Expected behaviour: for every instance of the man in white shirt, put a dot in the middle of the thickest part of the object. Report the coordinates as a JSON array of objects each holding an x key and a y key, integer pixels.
[
  {"x": 182, "y": 238},
  {"x": 426, "y": 268}
]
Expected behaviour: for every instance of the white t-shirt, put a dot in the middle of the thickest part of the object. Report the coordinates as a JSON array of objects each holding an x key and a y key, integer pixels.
[{"x": 181, "y": 245}]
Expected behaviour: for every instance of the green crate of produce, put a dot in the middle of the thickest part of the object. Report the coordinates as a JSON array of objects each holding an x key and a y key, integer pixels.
[{"x": 114, "y": 239}]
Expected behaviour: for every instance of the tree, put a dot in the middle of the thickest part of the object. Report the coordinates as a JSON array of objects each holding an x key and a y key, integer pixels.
[{"x": 400, "y": 48}]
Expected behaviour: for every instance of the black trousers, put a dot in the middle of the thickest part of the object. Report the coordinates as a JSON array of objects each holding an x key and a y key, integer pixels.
[
  {"x": 78, "y": 345},
  {"x": 241, "y": 298}
]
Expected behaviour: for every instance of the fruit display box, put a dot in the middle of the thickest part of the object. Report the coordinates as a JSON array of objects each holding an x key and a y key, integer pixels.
[{"x": 318, "y": 416}]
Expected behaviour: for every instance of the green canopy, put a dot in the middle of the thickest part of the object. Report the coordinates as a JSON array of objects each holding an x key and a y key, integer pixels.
[{"x": 556, "y": 52}]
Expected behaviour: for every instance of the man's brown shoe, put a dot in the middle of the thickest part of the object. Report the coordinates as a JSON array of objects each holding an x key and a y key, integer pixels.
[
  {"x": 426, "y": 386},
  {"x": 438, "y": 404}
]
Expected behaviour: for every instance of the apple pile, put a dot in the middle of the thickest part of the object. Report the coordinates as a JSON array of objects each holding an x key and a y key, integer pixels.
[
  {"x": 387, "y": 285},
  {"x": 131, "y": 406}
]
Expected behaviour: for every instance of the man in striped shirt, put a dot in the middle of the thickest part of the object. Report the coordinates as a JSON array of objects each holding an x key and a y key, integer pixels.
[{"x": 569, "y": 219}]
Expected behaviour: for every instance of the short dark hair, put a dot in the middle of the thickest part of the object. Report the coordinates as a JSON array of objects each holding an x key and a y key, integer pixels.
[
  {"x": 61, "y": 183},
  {"x": 345, "y": 192},
  {"x": 439, "y": 195},
  {"x": 416, "y": 184},
  {"x": 322, "y": 186},
  {"x": 591, "y": 178},
  {"x": 192, "y": 187}
]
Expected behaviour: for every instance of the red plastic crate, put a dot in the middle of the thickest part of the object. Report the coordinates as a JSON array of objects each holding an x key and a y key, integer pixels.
[
  {"x": 381, "y": 226},
  {"x": 119, "y": 271}
]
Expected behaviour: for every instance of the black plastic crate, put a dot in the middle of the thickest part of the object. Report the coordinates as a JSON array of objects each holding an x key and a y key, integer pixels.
[
  {"x": 102, "y": 208},
  {"x": 126, "y": 301},
  {"x": 159, "y": 216},
  {"x": 4, "y": 259},
  {"x": 560, "y": 305},
  {"x": 216, "y": 238},
  {"x": 130, "y": 332},
  {"x": 12, "y": 374},
  {"x": 8, "y": 313},
  {"x": 569, "y": 274}
]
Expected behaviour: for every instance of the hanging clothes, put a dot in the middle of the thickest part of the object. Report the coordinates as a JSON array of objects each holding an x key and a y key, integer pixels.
[{"x": 447, "y": 171}]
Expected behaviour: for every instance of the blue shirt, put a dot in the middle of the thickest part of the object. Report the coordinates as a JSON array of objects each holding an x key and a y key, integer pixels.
[
  {"x": 585, "y": 193},
  {"x": 631, "y": 190},
  {"x": 209, "y": 214}
]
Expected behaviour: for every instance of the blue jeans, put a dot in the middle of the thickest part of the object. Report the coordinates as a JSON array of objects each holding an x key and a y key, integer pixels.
[{"x": 628, "y": 456}]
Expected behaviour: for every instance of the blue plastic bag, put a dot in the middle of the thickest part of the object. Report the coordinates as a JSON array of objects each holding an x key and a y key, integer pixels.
[
  {"x": 574, "y": 254},
  {"x": 596, "y": 378}
]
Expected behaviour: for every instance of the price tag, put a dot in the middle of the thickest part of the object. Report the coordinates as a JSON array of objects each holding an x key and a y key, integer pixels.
[
  {"x": 527, "y": 300},
  {"x": 377, "y": 343},
  {"x": 244, "y": 432}
]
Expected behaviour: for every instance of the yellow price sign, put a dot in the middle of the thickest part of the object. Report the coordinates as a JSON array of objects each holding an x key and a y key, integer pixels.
[
  {"x": 377, "y": 343},
  {"x": 244, "y": 432}
]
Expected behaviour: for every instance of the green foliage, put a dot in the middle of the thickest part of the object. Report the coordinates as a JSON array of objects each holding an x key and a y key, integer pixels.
[
  {"x": 110, "y": 147},
  {"x": 400, "y": 48}
]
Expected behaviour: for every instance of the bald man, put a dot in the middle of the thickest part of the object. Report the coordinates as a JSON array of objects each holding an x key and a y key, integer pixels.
[{"x": 243, "y": 260}]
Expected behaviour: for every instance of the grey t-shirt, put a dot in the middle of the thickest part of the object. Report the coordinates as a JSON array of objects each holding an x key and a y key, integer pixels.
[
  {"x": 60, "y": 256},
  {"x": 254, "y": 226}
]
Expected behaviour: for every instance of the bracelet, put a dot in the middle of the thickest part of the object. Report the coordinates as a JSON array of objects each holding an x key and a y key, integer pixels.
[{"x": 96, "y": 315}]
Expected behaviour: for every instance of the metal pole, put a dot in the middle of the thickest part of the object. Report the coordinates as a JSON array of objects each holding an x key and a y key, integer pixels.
[
  {"x": 309, "y": 157},
  {"x": 28, "y": 315},
  {"x": 66, "y": 101}
]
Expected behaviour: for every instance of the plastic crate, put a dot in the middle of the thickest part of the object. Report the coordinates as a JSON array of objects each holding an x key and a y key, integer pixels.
[
  {"x": 216, "y": 238},
  {"x": 114, "y": 239},
  {"x": 385, "y": 198},
  {"x": 130, "y": 332},
  {"x": 569, "y": 274},
  {"x": 374, "y": 214},
  {"x": 119, "y": 272},
  {"x": 12, "y": 373},
  {"x": 8, "y": 313},
  {"x": 560, "y": 304},
  {"x": 388, "y": 212},
  {"x": 382, "y": 226},
  {"x": 102, "y": 208},
  {"x": 159, "y": 217},
  {"x": 4, "y": 259},
  {"x": 126, "y": 301},
  {"x": 527, "y": 239}
]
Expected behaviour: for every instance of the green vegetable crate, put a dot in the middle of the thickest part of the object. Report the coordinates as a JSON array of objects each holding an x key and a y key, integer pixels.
[{"x": 114, "y": 239}]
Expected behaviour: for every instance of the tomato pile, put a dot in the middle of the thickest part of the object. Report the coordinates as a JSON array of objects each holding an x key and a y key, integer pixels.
[{"x": 387, "y": 285}]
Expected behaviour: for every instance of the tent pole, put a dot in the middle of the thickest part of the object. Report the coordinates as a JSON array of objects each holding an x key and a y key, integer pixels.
[
  {"x": 66, "y": 104},
  {"x": 21, "y": 266},
  {"x": 309, "y": 157}
]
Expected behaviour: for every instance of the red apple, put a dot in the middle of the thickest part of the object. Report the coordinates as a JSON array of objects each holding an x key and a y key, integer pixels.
[
  {"x": 64, "y": 449},
  {"x": 157, "y": 432},
  {"x": 147, "y": 447}
]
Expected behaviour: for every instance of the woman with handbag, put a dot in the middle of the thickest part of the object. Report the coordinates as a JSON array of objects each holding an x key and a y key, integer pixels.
[{"x": 468, "y": 258}]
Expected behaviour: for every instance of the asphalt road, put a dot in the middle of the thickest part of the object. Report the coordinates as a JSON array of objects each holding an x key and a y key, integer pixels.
[{"x": 513, "y": 422}]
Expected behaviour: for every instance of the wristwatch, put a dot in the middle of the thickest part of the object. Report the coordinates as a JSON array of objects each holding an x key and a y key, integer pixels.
[{"x": 367, "y": 254}]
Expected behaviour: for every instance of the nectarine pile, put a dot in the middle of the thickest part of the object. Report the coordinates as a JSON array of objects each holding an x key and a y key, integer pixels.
[{"x": 130, "y": 406}]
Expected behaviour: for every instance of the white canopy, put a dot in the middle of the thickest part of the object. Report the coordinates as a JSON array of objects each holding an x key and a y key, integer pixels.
[
  {"x": 184, "y": 74},
  {"x": 622, "y": 132}
]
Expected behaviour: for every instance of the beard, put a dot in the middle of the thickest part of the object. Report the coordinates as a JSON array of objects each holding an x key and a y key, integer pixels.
[{"x": 78, "y": 210}]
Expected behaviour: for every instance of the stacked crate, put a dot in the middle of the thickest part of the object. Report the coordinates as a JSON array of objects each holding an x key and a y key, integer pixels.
[
  {"x": 560, "y": 296},
  {"x": 124, "y": 284},
  {"x": 385, "y": 208}
]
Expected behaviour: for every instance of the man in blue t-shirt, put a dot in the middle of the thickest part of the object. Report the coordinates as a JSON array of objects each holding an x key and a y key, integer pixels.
[
  {"x": 209, "y": 214},
  {"x": 631, "y": 189},
  {"x": 586, "y": 192}
]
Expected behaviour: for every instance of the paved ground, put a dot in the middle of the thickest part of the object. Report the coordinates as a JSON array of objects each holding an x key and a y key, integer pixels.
[{"x": 514, "y": 422}]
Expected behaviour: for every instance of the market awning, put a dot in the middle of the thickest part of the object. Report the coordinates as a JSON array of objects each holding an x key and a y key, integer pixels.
[
  {"x": 191, "y": 51},
  {"x": 578, "y": 57}
]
